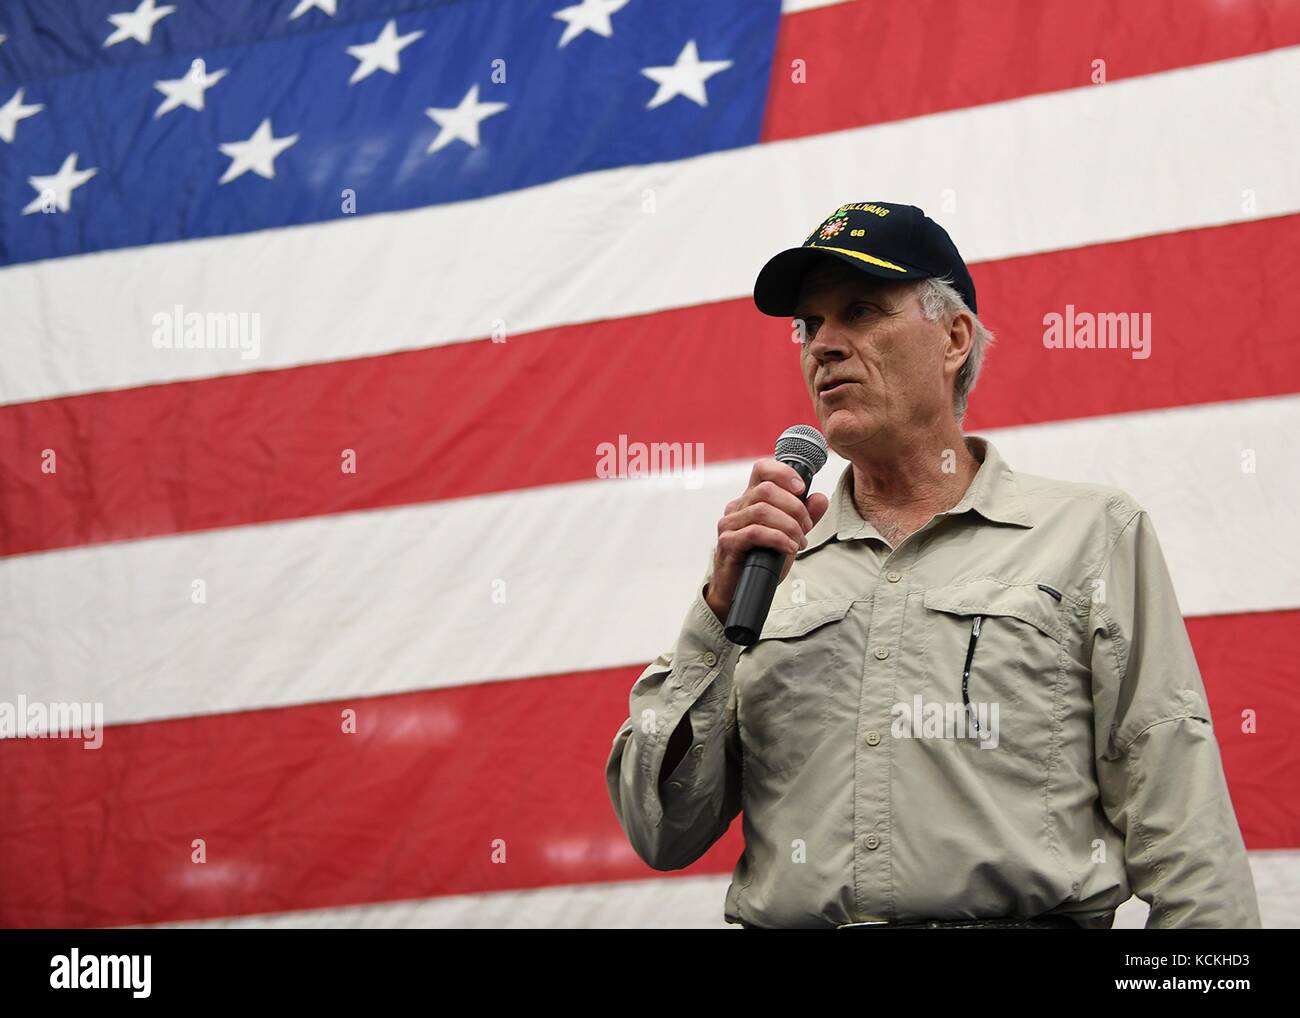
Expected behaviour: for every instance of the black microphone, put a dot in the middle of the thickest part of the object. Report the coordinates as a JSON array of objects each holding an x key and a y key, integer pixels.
[{"x": 803, "y": 448}]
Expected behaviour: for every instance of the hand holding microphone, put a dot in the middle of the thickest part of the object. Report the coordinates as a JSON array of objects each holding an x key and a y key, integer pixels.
[{"x": 762, "y": 530}]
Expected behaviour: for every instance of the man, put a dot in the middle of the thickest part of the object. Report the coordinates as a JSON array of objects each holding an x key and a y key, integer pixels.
[{"x": 973, "y": 700}]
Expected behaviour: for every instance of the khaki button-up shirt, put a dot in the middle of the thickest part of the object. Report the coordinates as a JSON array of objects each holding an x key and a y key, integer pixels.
[{"x": 1085, "y": 768}]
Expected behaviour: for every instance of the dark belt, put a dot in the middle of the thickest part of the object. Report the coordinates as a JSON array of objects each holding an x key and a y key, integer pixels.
[
  {"x": 1046, "y": 922},
  {"x": 1041, "y": 923}
]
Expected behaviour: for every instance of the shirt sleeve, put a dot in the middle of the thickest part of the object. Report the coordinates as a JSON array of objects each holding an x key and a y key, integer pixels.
[
  {"x": 1158, "y": 764},
  {"x": 673, "y": 824}
]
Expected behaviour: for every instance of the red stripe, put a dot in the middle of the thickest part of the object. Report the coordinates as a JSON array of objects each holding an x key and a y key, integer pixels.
[
  {"x": 471, "y": 418},
  {"x": 296, "y": 815},
  {"x": 1251, "y": 667},
  {"x": 878, "y": 60}
]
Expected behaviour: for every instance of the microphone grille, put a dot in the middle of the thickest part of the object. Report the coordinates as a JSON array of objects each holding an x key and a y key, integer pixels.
[{"x": 802, "y": 442}]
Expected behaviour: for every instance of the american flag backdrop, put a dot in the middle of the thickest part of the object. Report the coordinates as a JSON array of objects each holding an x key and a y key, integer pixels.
[{"x": 315, "y": 317}]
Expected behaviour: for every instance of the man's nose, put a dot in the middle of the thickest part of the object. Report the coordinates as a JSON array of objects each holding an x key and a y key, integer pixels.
[{"x": 828, "y": 345}]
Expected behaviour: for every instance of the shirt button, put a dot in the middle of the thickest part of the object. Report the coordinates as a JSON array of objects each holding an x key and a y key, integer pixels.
[
  {"x": 893, "y": 577},
  {"x": 881, "y": 652},
  {"x": 676, "y": 786},
  {"x": 873, "y": 738},
  {"x": 871, "y": 841},
  {"x": 697, "y": 750},
  {"x": 710, "y": 658}
]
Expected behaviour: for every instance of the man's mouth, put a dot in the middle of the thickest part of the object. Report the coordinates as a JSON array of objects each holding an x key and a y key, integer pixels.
[{"x": 828, "y": 387}]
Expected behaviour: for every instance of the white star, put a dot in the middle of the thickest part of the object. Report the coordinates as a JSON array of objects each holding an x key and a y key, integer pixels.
[
  {"x": 382, "y": 53},
  {"x": 462, "y": 122},
  {"x": 685, "y": 77},
  {"x": 137, "y": 24},
  {"x": 188, "y": 90},
  {"x": 257, "y": 153},
  {"x": 14, "y": 111},
  {"x": 328, "y": 6},
  {"x": 589, "y": 16},
  {"x": 59, "y": 187}
]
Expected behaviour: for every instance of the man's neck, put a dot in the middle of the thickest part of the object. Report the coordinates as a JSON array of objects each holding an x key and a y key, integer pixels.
[{"x": 900, "y": 489}]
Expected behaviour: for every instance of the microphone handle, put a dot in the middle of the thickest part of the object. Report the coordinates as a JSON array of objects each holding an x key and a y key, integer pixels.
[{"x": 758, "y": 581}]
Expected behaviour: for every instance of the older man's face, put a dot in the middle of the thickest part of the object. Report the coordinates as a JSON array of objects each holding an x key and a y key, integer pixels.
[{"x": 893, "y": 366}]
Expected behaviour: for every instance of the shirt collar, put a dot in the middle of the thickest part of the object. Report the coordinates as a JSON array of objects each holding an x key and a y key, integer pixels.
[{"x": 993, "y": 493}]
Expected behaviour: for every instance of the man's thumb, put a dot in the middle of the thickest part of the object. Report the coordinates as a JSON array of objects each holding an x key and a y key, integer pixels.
[{"x": 817, "y": 505}]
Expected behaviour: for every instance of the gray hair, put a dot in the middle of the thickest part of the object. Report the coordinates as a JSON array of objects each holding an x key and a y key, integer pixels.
[{"x": 940, "y": 300}]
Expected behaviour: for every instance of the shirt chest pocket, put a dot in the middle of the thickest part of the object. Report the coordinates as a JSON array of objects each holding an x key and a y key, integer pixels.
[
  {"x": 784, "y": 683},
  {"x": 1002, "y": 642}
]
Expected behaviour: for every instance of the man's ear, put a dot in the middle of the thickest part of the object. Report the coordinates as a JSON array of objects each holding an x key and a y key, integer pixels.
[{"x": 961, "y": 340}]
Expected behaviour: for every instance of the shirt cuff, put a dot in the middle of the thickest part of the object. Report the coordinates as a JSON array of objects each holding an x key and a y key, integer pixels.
[{"x": 702, "y": 646}]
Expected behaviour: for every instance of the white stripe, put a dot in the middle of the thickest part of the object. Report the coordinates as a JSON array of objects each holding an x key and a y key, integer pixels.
[
  {"x": 664, "y": 903},
  {"x": 594, "y": 574},
  {"x": 1149, "y": 155},
  {"x": 794, "y": 6}
]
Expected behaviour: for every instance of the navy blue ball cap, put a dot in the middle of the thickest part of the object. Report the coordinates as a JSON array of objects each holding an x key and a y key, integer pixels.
[{"x": 881, "y": 239}]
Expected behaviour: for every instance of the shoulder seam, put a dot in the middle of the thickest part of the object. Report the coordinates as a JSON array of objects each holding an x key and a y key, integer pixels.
[{"x": 1111, "y": 629}]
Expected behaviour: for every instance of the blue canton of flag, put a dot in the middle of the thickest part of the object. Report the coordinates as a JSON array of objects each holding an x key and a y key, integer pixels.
[{"x": 154, "y": 122}]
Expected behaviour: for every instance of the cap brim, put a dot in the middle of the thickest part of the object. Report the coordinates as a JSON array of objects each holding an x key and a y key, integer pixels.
[{"x": 776, "y": 291}]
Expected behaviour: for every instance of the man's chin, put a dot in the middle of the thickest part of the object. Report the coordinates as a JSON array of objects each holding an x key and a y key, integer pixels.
[{"x": 846, "y": 428}]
